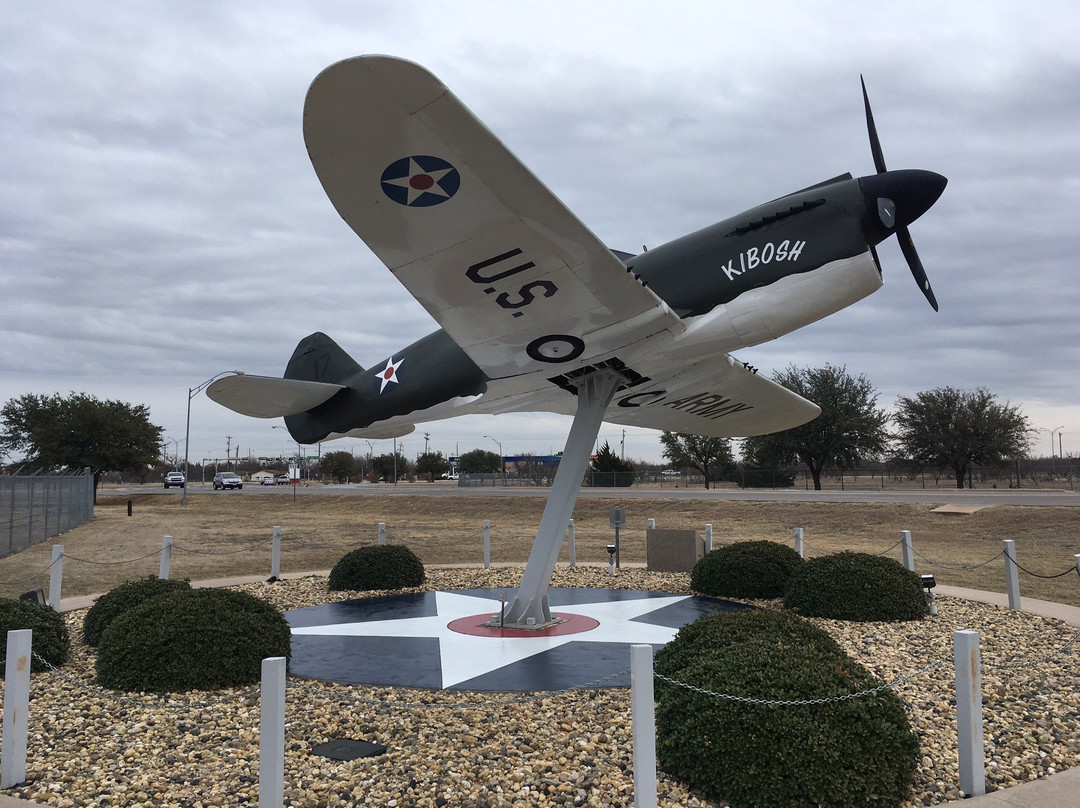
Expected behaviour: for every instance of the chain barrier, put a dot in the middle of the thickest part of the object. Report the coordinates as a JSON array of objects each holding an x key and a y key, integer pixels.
[
  {"x": 1037, "y": 575},
  {"x": 889, "y": 548},
  {"x": 944, "y": 566},
  {"x": 533, "y": 696},
  {"x": 192, "y": 551},
  {"x": 111, "y": 563},
  {"x": 806, "y": 702},
  {"x": 167, "y": 701},
  {"x": 1032, "y": 663},
  {"x": 32, "y": 577}
]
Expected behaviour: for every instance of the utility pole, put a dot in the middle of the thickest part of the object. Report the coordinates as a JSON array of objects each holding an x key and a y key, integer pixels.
[
  {"x": 228, "y": 450},
  {"x": 427, "y": 435}
]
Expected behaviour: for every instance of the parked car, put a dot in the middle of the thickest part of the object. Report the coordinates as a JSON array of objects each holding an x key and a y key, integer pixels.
[
  {"x": 269, "y": 480},
  {"x": 175, "y": 478},
  {"x": 227, "y": 479},
  {"x": 283, "y": 479}
]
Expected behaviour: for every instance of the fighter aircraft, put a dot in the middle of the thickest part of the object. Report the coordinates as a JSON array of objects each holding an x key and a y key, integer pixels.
[
  {"x": 530, "y": 300},
  {"x": 536, "y": 313}
]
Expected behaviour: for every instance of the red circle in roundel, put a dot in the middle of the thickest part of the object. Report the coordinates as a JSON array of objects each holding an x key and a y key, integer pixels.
[
  {"x": 477, "y": 626},
  {"x": 421, "y": 182}
]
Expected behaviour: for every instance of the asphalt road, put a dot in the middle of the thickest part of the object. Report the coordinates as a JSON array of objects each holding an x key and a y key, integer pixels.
[{"x": 942, "y": 496}]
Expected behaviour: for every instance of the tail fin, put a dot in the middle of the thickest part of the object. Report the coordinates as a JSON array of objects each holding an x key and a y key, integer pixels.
[{"x": 318, "y": 358}]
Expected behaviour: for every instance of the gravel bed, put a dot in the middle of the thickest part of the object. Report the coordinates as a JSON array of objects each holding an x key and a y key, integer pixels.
[{"x": 102, "y": 748}]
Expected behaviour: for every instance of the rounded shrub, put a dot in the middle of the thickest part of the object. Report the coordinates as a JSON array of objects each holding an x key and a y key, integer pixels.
[
  {"x": 121, "y": 598},
  {"x": 191, "y": 639},
  {"x": 50, "y": 640},
  {"x": 746, "y": 569},
  {"x": 856, "y": 586},
  {"x": 389, "y": 566},
  {"x": 855, "y": 752}
]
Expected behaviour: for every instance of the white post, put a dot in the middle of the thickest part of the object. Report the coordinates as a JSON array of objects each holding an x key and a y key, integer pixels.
[
  {"x": 572, "y": 548},
  {"x": 16, "y": 705},
  {"x": 275, "y": 555},
  {"x": 708, "y": 538},
  {"x": 166, "y": 558},
  {"x": 487, "y": 543},
  {"x": 1012, "y": 577},
  {"x": 272, "y": 733},
  {"x": 969, "y": 727},
  {"x": 909, "y": 552},
  {"x": 650, "y": 523},
  {"x": 56, "y": 575},
  {"x": 382, "y": 533},
  {"x": 799, "y": 547},
  {"x": 643, "y": 709},
  {"x": 1076, "y": 558}
]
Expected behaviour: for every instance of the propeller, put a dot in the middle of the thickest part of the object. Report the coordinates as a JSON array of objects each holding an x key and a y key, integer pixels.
[{"x": 899, "y": 198}]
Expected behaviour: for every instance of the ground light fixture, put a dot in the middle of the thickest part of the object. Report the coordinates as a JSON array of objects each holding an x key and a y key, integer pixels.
[
  {"x": 611, "y": 558},
  {"x": 929, "y": 583}
]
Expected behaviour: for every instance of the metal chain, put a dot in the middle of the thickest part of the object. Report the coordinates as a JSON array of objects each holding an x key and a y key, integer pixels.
[
  {"x": 890, "y": 547},
  {"x": 110, "y": 563},
  {"x": 193, "y": 551},
  {"x": 175, "y": 704},
  {"x": 806, "y": 702},
  {"x": 944, "y": 566},
  {"x": 1035, "y": 574},
  {"x": 1032, "y": 663},
  {"x": 32, "y": 577},
  {"x": 532, "y": 697}
]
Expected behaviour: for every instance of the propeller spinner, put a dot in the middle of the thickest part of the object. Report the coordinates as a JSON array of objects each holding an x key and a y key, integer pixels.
[{"x": 897, "y": 198}]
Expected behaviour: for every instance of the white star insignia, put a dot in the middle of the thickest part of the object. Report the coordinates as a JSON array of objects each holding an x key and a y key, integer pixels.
[
  {"x": 388, "y": 374},
  {"x": 421, "y": 182},
  {"x": 464, "y": 656}
]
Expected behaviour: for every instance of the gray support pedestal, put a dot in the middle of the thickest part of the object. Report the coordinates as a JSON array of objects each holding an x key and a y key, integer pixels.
[{"x": 529, "y": 608}]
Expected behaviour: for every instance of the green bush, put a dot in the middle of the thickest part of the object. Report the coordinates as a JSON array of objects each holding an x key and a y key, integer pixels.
[
  {"x": 857, "y": 752},
  {"x": 193, "y": 639},
  {"x": 856, "y": 586},
  {"x": 746, "y": 569},
  {"x": 121, "y": 598},
  {"x": 50, "y": 640},
  {"x": 388, "y": 566}
]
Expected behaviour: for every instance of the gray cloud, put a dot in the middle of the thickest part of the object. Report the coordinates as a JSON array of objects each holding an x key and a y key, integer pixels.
[{"x": 160, "y": 222}]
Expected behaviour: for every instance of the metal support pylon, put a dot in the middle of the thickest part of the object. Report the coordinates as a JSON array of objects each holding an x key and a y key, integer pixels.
[{"x": 529, "y": 607}]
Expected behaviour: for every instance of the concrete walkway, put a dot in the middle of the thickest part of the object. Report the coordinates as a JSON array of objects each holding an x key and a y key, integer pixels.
[{"x": 1062, "y": 790}]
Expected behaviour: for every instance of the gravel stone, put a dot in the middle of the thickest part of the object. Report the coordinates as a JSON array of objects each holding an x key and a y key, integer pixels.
[{"x": 92, "y": 747}]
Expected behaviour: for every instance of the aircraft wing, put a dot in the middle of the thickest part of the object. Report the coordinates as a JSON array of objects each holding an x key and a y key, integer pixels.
[
  {"x": 719, "y": 396},
  {"x": 503, "y": 266}
]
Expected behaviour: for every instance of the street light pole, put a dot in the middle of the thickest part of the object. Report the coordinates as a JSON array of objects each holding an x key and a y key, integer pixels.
[
  {"x": 191, "y": 393},
  {"x": 502, "y": 458},
  {"x": 298, "y": 466}
]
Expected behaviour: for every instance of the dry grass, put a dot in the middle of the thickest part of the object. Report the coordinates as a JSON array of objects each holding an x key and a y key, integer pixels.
[{"x": 229, "y": 535}]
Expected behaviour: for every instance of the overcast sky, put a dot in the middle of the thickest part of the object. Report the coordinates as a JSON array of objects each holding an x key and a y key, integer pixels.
[{"x": 160, "y": 221}]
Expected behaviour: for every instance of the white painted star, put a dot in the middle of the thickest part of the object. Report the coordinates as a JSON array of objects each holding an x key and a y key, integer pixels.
[
  {"x": 465, "y": 657},
  {"x": 421, "y": 182},
  {"x": 389, "y": 373}
]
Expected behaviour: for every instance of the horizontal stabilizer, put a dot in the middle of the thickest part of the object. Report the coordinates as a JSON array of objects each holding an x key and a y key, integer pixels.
[
  {"x": 269, "y": 396},
  {"x": 380, "y": 432}
]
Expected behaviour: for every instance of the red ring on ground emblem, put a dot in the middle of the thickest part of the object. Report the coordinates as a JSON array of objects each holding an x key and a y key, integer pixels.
[{"x": 477, "y": 626}]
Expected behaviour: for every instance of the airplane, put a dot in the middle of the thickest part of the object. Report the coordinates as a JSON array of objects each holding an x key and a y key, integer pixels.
[{"x": 537, "y": 314}]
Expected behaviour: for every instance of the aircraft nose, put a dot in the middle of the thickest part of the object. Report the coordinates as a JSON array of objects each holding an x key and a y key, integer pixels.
[{"x": 897, "y": 198}]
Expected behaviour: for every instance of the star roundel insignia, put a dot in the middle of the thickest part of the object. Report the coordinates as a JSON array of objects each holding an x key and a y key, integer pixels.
[
  {"x": 388, "y": 375},
  {"x": 420, "y": 181}
]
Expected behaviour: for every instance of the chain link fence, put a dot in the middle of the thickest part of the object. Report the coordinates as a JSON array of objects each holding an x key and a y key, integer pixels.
[{"x": 34, "y": 508}]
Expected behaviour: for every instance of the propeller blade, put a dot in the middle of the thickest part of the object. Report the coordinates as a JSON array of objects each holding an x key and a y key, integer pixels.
[
  {"x": 875, "y": 144},
  {"x": 907, "y": 246}
]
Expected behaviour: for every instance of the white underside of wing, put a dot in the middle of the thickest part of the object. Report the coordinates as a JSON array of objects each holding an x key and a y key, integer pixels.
[
  {"x": 496, "y": 258},
  {"x": 269, "y": 396}
]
